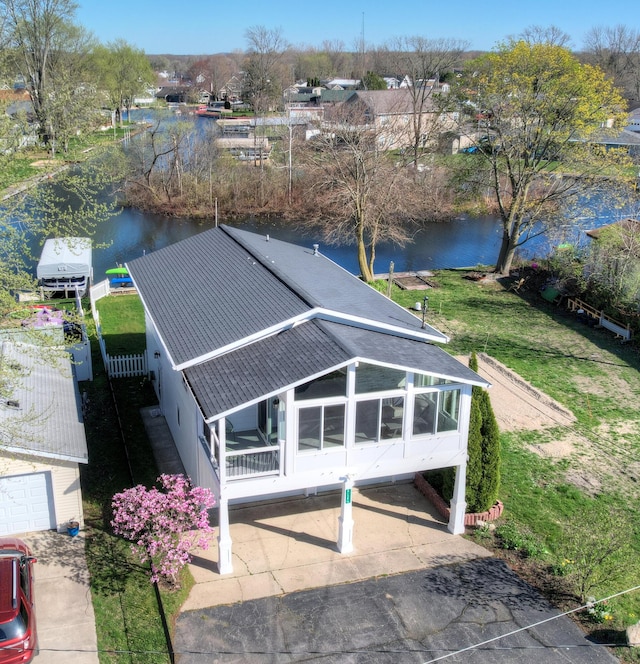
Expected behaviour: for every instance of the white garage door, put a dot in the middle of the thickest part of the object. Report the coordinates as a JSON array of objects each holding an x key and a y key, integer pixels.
[{"x": 26, "y": 503}]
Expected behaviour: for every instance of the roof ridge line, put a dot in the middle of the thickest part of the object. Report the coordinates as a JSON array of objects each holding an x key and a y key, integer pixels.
[{"x": 273, "y": 269}]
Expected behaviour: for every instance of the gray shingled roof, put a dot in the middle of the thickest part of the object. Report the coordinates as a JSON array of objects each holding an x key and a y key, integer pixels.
[
  {"x": 291, "y": 357},
  {"x": 323, "y": 283},
  {"x": 206, "y": 292},
  {"x": 225, "y": 285},
  {"x": 47, "y": 421},
  {"x": 263, "y": 368}
]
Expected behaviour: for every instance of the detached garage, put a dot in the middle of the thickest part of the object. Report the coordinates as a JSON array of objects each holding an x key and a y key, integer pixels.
[{"x": 42, "y": 442}]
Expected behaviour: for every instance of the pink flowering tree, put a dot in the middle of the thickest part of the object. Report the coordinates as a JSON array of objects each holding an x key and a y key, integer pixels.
[{"x": 164, "y": 523}]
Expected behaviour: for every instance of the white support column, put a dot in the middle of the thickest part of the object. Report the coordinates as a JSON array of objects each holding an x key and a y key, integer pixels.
[
  {"x": 458, "y": 504},
  {"x": 345, "y": 525},
  {"x": 225, "y": 563}
]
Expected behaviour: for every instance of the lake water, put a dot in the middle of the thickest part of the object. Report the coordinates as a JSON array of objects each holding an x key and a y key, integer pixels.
[
  {"x": 461, "y": 243},
  {"x": 464, "y": 242}
]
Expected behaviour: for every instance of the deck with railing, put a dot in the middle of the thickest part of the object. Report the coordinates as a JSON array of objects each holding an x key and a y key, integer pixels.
[{"x": 246, "y": 455}]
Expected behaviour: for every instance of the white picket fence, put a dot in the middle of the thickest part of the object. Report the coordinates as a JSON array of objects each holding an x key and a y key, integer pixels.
[
  {"x": 117, "y": 366},
  {"x": 125, "y": 366}
]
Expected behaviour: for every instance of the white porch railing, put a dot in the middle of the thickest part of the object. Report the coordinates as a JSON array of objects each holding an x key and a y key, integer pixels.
[{"x": 252, "y": 462}]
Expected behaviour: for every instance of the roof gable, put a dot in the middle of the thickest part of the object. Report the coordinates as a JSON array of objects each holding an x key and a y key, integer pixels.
[{"x": 313, "y": 348}]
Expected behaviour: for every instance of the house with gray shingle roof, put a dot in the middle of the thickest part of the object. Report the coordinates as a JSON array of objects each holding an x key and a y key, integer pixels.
[
  {"x": 279, "y": 373},
  {"x": 42, "y": 440}
]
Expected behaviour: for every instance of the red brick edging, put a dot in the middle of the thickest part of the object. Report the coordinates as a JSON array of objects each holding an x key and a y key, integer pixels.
[{"x": 470, "y": 519}]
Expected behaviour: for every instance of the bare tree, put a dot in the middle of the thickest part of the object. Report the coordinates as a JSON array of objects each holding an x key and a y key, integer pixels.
[
  {"x": 551, "y": 35},
  {"x": 358, "y": 194},
  {"x": 420, "y": 63},
  {"x": 263, "y": 79},
  {"x": 212, "y": 73},
  {"x": 616, "y": 50}
]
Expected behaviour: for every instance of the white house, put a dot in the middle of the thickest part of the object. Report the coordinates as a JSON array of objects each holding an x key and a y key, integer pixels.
[
  {"x": 42, "y": 442},
  {"x": 279, "y": 373}
]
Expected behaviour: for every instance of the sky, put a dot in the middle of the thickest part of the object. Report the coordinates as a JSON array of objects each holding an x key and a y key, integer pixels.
[{"x": 202, "y": 27}]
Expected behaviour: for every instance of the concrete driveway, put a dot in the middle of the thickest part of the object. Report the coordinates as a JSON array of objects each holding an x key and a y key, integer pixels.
[
  {"x": 64, "y": 612},
  {"x": 409, "y": 592}
]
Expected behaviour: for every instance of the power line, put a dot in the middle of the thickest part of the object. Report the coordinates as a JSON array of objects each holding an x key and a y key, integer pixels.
[
  {"x": 478, "y": 646},
  {"x": 536, "y": 624}
]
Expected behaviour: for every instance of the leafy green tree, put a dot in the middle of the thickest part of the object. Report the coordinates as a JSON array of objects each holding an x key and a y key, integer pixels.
[
  {"x": 123, "y": 72},
  {"x": 474, "y": 463},
  {"x": 538, "y": 118},
  {"x": 73, "y": 102},
  {"x": 489, "y": 487},
  {"x": 373, "y": 81},
  {"x": 36, "y": 31}
]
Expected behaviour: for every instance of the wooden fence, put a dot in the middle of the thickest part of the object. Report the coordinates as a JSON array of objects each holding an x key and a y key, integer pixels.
[{"x": 617, "y": 327}]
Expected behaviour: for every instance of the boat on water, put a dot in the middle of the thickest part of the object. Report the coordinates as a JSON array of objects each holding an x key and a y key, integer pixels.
[
  {"x": 65, "y": 267},
  {"x": 214, "y": 109}
]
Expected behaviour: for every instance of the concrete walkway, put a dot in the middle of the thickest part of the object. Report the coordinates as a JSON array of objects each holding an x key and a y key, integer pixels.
[{"x": 290, "y": 545}]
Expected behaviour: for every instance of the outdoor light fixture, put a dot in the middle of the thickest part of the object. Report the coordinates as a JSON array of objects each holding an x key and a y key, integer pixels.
[{"x": 156, "y": 355}]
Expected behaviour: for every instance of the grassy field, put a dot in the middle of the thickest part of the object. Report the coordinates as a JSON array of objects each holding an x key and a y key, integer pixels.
[{"x": 548, "y": 498}]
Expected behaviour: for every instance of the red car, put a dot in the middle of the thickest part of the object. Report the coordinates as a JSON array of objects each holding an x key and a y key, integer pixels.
[{"x": 18, "y": 639}]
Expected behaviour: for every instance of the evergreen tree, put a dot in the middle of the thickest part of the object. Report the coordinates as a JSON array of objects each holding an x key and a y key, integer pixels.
[
  {"x": 483, "y": 467},
  {"x": 490, "y": 485}
]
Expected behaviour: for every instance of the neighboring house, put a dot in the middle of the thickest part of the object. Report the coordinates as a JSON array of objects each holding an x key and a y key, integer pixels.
[
  {"x": 42, "y": 443},
  {"x": 174, "y": 94},
  {"x": 310, "y": 103},
  {"x": 342, "y": 83},
  {"x": 279, "y": 373},
  {"x": 393, "y": 114}
]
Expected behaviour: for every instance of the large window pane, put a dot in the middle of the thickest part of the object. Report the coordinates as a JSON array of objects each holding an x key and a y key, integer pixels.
[
  {"x": 334, "y": 426},
  {"x": 392, "y": 414},
  {"x": 367, "y": 420},
  {"x": 309, "y": 427},
  {"x": 425, "y": 408},
  {"x": 424, "y": 380},
  {"x": 331, "y": 385},
  {"x": 371, "y": 378},
  {"x": 449, "y": 412}
]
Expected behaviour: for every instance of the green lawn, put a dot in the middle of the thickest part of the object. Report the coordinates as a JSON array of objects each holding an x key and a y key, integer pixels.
[{"x": 122, "y": 322}]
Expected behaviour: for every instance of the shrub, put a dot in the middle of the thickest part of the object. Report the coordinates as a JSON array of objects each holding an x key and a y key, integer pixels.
[
  {"x": 164, "y": 524},
  {"x": 483, "y": 468},
  {"x": 514, "y": 539}
]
